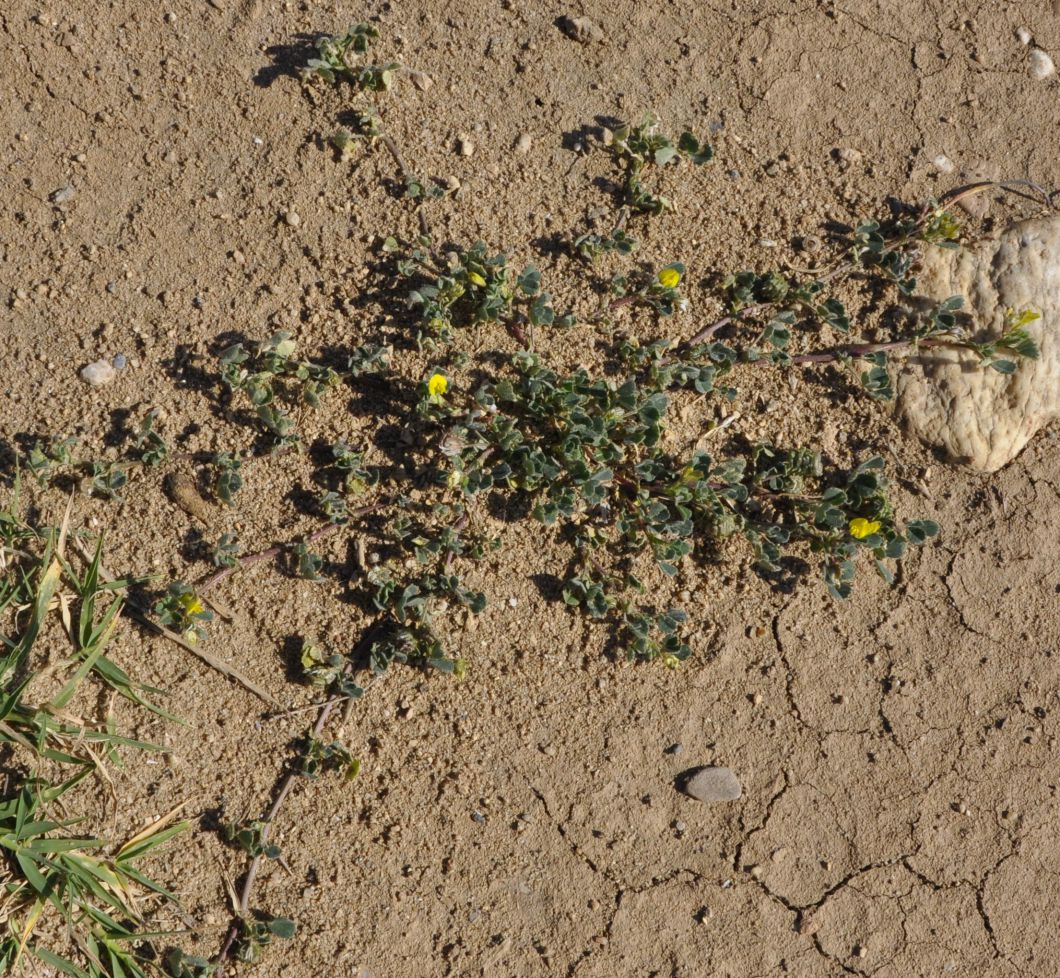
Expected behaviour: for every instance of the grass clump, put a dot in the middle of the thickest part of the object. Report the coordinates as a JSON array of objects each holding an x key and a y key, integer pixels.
[{"x": 77, "y": 904}]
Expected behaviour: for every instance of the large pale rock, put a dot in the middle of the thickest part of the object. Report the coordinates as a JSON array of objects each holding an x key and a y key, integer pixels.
[{"x": 976, "y": 415}]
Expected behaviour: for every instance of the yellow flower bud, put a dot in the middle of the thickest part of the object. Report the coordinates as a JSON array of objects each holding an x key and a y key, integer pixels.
[
  {"x": 437, "y": 385},
  {"x": 475, "y": 279}
]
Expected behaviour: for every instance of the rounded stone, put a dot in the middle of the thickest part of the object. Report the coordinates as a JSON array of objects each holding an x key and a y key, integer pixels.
[
  {"x": 99, "y": 373},
  {"x": 710, "y": 784}
]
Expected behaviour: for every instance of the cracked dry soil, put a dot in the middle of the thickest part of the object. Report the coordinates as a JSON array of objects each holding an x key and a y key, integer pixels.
[{"x": 898, "y": 753}]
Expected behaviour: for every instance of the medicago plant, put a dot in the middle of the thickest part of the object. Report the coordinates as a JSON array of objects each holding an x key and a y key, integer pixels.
[{"x": 591, "y": 454}]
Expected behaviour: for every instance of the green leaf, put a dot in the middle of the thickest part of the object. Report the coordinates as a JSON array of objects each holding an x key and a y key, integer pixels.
[
  {"x": 282, "y": 927},
  {"x": 529, "y": 281}
]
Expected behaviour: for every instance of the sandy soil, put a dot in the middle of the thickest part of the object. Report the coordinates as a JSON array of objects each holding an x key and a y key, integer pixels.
[{"x": 897, "y": 753}]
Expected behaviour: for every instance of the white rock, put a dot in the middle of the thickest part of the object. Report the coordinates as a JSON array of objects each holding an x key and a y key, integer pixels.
[
  {"x": 465, "y": 146},
  {"x": 99, "y": 373},
  {"x": 977, "y": 416},
  {"x": 943, "y": 163},
  {"x": 712, "y": 784},
  {"x": 524, "y": 142},
  {"x": 1023, "y": 35},
  {"x": 63, "y": 194},
  {"x": 1041, "y": 64},
  {"x": 293, "y": 218}
]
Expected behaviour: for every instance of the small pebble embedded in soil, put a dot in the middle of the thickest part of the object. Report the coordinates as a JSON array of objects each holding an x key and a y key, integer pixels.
[
  {"x": 421, "y": 80},
  {"x": 710, "y": 784},
  {"x": 1041, "y": 65},
  {"x": 99, "y": 373},
  {"x": 580, "y": 29}
]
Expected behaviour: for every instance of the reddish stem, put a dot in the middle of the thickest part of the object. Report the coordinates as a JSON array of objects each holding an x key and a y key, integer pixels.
[{"x": 274, "y": 551}]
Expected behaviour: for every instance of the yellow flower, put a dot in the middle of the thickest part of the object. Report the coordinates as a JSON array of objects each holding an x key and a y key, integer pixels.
[
  {"x": 861, "y": 527},
  {"x": 437, "y": 385},
  {"x": 669, "y": 278},
  {"x": 191, "y": 604},
  {"x": 475, "y": 279}
]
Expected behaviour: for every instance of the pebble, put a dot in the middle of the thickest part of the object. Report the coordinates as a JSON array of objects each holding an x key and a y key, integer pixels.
[
  {"x": 673, "y": 749},
  {"x": 421, "y": 80},
  {"x": 465, "y": 146},
  {"x": 581, "y": 29},
  {"x": 63, "y": 194},
  {"x": 523, "y": 143},
  {"x": 99, "y": 373},
  {"x": 1041, "y": 64},
  {"x": 120, "y": 361},
  {"x": 711, "y": 784},
  {"x": 1023, "y": 35},
  {"x": 847, "y": 154},
  {"x": 943, "y": 163},
  {"x": 292, "y": 217}
]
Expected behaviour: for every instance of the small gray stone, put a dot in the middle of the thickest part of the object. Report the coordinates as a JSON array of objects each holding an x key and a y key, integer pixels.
[
  {"x": 63, "y": 194},
  {"x": 710, "y": 784},
  {"x": 99, "y": 373},
  {"x": 120, "y": 361}
]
